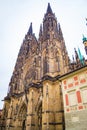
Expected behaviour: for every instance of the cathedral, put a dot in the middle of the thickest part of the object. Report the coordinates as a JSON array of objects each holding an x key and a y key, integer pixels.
[{"x": 47, "y": 90}]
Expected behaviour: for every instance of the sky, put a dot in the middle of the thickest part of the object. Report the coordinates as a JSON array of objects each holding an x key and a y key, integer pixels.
[{"x": 15, "y": 19}]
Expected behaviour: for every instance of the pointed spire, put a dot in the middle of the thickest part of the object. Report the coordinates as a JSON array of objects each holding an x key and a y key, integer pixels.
[
  {"x": 73, "y": 59},
  {"x": 76, "y": 54},
  {"x": 60, "y": 34},
  {"x": 30, "y": 31},
  {"x": 81, "y": 57},
  {"x": 40, "y": 32},
  {"x": 49, "y": 10},
  {"x": 59, "y": 29}
]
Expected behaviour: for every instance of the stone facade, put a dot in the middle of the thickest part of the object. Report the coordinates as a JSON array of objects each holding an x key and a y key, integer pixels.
[{"x": 35, "y": 97}]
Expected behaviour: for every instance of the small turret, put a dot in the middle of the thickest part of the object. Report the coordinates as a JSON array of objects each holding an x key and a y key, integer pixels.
[
  {"x": 79, "y": 58},
  {"x": 60, "y": 34},
  {"x": 85, "y": 43},
  {"x": 76, "y": 55},
  {"x": 40, "y": 32}
]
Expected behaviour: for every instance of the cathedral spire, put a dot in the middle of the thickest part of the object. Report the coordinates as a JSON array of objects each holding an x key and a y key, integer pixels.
[
  {"x": 49, "y": 24},
  {"x": 40, "y": 32},
  {"x": 30, "y": 31},
  {"x": 81, "y": 58},
  {"x": 49, "y": 10}
]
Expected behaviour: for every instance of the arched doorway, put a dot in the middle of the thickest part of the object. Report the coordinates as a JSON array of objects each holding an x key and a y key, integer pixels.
[{"x": 22, "y": 117}]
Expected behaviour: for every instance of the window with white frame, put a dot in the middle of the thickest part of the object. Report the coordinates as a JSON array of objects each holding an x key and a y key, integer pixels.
[
  {"x": 84, "y": 95},
  {"x": 72, "y": 98}
]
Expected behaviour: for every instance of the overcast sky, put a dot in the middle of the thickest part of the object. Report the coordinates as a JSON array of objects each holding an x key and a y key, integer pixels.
[{"x": 15, "y": 18}]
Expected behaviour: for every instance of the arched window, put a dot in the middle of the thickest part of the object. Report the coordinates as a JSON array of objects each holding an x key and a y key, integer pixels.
[
  {"x": 45, "y": 66},
  {"x": 58, "y": 62}
]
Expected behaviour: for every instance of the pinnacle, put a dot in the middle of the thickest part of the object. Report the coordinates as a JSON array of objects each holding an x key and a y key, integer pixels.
[
  {"x": 30, "y": 31},
  {"x": 49, "y": 10}
]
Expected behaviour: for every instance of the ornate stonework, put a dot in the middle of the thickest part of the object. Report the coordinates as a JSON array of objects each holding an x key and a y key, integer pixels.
[{"x": 34, "y": 100}]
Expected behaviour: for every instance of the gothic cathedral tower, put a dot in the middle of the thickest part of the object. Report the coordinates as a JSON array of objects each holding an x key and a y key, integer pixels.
[
  {"x": 34, "y": 100},
  {"x": 54, "y": 55},
  {"x": 45, "y": 56}
]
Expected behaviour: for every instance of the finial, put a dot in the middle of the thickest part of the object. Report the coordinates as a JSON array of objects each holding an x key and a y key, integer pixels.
[
  {"x": 73, "y": 58},
  {"x": 80, "y": 57},
  {"x": 76, "y": 54}
]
